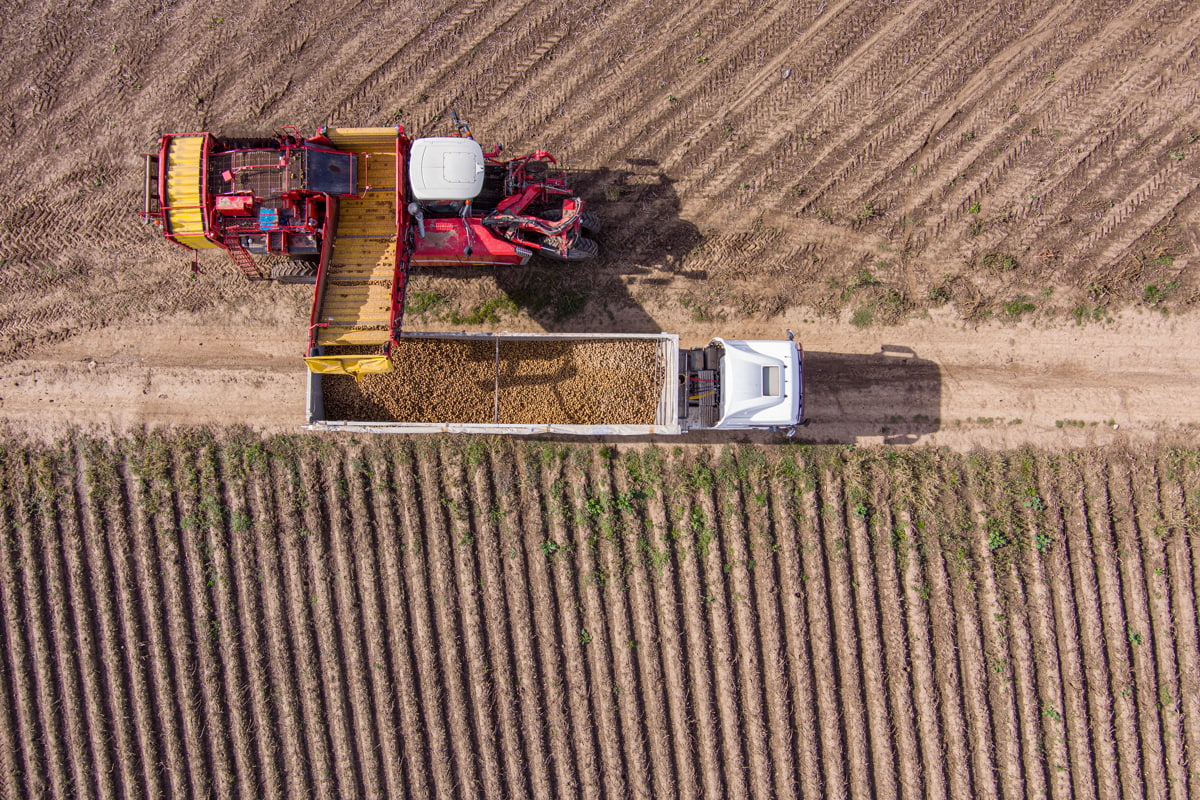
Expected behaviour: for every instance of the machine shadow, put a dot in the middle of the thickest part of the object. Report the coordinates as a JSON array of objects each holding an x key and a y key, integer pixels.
[
  {"x": 642, "y": 238},
  {"x": 892, "y": 394}
]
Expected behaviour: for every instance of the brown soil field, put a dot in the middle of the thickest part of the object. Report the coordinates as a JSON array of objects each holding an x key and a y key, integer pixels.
[
  {"x": 865, "y": 157},
  {"x": 337, "y": 617},
  {"x": 980, "y": 218}
]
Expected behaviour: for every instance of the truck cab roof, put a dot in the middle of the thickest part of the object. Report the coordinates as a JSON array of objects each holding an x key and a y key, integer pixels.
[{"x": 761, "y": 384}]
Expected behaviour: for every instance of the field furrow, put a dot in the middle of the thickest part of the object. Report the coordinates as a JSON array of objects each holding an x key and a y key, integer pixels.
[
  {"x": 568, "y": 755},
  {"x": 473, "y": 617},
  {"x": 691, "y": 592},
  {"x": 995, "y": 624},
  {"x": 865, "y": 532},
  {"x": 886, "y": 555},
  {"x": 280, "y": 496},
  {"x": 43, "y": 664},
  {"x": 432, "y": 715},
  {"x": 852, "y": 700},
  {"x": 73, "y": 630},
  {"x": 445, "y": 524},
  {"x": 556, "y": 581},
  {"x": 352, "y": 520},
  {"x": 499, "y": 621},
  {"x": 820, "y": 617}
]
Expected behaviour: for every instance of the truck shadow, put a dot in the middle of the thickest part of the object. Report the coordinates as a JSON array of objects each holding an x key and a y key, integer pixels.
[
  {"x": 642, "y": 244},
  {"x": 892, "y": 395}
]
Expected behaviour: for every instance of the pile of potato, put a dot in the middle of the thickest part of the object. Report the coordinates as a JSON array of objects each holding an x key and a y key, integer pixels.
[{"x": 580, "y": 382}]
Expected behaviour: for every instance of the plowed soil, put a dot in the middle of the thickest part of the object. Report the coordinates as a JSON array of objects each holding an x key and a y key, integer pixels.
[
  {"x": 980, "y": 218},
  {"x": 303, "y": 617}
]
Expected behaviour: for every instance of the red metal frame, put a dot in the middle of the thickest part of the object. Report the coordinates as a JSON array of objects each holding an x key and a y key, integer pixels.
[{"x": 405, "y": 245}]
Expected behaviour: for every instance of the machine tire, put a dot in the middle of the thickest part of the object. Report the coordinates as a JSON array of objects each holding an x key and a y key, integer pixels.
[
  {"x": 294, "y": 270},
  {"x": 583, "y": 250},
  {"x": 591, "y": 222}
]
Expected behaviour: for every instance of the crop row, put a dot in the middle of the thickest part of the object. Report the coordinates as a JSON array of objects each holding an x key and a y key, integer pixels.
[{"x": 337, "y": 617}]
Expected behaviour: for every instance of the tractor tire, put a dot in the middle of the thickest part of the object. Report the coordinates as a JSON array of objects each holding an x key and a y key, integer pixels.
[
  {"x": 588, "y": 220},
  {"x": 583, "y": 250},
  {"x": 591, "y": 222},
  {"x": 294, "y": 271}
]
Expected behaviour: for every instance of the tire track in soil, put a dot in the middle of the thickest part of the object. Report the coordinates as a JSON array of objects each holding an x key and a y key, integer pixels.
[
  {"x": 226, "y": 598},
  {"x": 280, "y": 496},
  {"x": 1093, "y": 744},
  {"x": 860, "y": 575},
  {"x": 533, "y": 718},
  {"x": 1001, "y": 178},
  {"x": 420, "y": 514},
  {"x": 581, "y": 723},
  {"x": 943, "y": 775},
  {"x": 635, "y": 574},
  {"x": 507, "y": 680},
  {"x": 896, "y": 513},
  {"x": 567, "y": 762},
  {"x": 72, "y": 630},
  {"x": 301, "y": 639},
  {"x": 480, "y": 689},
  {"x": 595, "y": 637},
  {"x": 441, "y": 520},
  {"x": 1118, "y": 632},
  {"x": 987, "y": 625},
  {"x": 965, "y": 720},
  {"x": 167, "y": 712},
  {"x": 833, "y": 738},
  {"x": 325, "y": 517},
  {"x": 928, "y": 97},
  {"x": 1008, "y": 620},
  {"x": 743, "y": 637},
  {"x": 691, "y": 592},
  {"x": 417, "y": 58},
  {"x": 659, "y": 623},
  {"x": 1180, "y": 606},
  {"x": 788, "y": 500},
  {"x": 1147, "y": 610},
  {"x": 253, "y": 616},
  {"x": 396, "y": 711},
  {"x": 608, "y": 584},
  {"x": 350, "y": 520},
  {"x": 869, "y": 71}
]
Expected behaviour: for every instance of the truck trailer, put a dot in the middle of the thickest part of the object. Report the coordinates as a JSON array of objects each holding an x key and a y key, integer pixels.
[{"x": 576, "y": 383}]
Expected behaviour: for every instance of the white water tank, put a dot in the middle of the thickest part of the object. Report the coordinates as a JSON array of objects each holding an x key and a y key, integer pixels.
[{"x": 446, "y": 168}]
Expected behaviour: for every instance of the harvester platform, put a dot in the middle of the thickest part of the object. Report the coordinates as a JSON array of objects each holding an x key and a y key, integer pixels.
[{"x": 355, "y": 305}]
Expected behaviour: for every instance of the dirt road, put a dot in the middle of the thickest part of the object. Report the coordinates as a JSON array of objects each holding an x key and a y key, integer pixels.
[{"x": 932, "y": 381}]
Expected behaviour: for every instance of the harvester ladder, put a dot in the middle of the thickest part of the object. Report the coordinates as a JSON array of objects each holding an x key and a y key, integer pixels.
[{"x": 241, "y": 256}]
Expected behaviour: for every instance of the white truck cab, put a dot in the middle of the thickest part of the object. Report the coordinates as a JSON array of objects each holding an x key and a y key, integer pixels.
[{"x": 761, "y": 384}]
